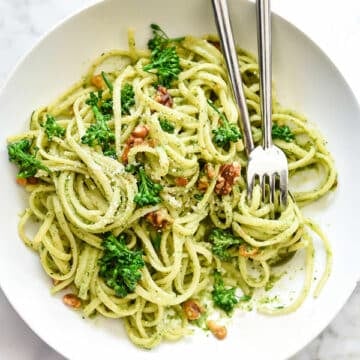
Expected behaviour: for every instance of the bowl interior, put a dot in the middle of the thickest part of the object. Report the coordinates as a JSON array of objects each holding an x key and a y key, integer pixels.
[{"x": 305, "y": 80}]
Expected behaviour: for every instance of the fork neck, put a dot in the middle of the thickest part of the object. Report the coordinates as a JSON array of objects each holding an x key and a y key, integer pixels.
[
  {"x": 263, "y": 13},
  {"x": 223, "y": 24}
]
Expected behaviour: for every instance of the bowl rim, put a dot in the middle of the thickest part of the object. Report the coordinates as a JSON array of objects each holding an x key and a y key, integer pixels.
[{"x": 96, "y": 3}]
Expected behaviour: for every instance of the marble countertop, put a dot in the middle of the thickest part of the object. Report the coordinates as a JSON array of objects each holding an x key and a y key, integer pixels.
[{"x": 333, "y": 24}]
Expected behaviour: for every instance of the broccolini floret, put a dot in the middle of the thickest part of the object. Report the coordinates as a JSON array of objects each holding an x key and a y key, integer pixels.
[
  {"x": 51, "y": 128},
  {"x": 20, "y": 154},
  {"x": 166, "y": 125},
  {"x": 222, "y": 241},
  {"x": 224, "y": 298},
  {"x": 119, "y": 266},
  {"x": 105, "y": 107},
  {"x": 160, "y": 39},
  {"x": 164, "y": 58},
  {"x": 148, "y": 190},
  {"x": 99, "y": 133},
  {"x": 282, "y": 132},
  {"x": 127, "y": 99},
  {"x": 227, "y": 132}
]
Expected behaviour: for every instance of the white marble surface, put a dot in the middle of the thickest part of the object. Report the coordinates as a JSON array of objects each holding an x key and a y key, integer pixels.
[{"x": 333, "y": 24}]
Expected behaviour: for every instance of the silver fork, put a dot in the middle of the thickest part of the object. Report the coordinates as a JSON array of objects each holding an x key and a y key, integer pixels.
[
  {"x": 267, "y": 162},
  {"x": 223, "y": 25}
]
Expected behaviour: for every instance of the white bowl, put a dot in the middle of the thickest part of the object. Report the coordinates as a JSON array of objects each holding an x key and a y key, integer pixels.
[{"x": 305, "y": 79}]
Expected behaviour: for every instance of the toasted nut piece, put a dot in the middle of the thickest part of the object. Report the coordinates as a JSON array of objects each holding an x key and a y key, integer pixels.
[
  {"x": 210, "y": 171},
  {"x": 137, "y": 141},
  {"x": 227, "y": 177},
  {"x": 98, "y": 81},
  {"x": 32, "y": 180},
  {"x": 159, "y": 219},
  {"x": 247, "y": 250},
  {"x": 140, "y": 131},
  {"x": 219, "y": 331},
  {"x": 136, "y": 138},
  {"x": 21, "y": 181},
  {"x": 181, "y": 181},
  {"x": 125, "y": 154},
  {"x": 163, "y": 97},
  {"x": 203, "y": 184},
  {"x": 192, "y": 309},
  {"x": 72, "y": 300}
]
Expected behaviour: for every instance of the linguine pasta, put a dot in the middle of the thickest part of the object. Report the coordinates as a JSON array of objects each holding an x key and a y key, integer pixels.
[{"x": 87, "y": 194}]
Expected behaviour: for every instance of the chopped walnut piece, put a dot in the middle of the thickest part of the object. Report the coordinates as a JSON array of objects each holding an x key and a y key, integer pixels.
[
  {"x": 181, "y": 181},
  {"x": 136, "y": 138},
  {"x": 98, "y": 82},
  {"x": 21, "y": 181},
  {"x": 159, "y": 219},
  {"x": 72, "y": 300},
  {"x": 203, "y": 183},
  {"x": 219, "y": 331},
  {"x": 32, "y": 180},
  {"x": 140, "y": 131},
  {"x": 192, "y": 309},
  {"x": 163, "y": 97},
  {"x": 210, "y": 171},
  {"x": 227, "y": 177},
  {"x": 125, "y": 154},
  {"x": 246, "y": 250}
]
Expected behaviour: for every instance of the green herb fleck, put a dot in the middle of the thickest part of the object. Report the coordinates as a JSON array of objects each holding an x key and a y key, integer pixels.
[{"x": 198, "y": 196}]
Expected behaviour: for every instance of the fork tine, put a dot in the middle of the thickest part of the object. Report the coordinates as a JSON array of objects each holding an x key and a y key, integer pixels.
[
  {"x": 283, "y": 188},
  {"x": 272, "y": 184},
  {"x": 250, "y": 180},
  {"x": 263, "y": 186}
]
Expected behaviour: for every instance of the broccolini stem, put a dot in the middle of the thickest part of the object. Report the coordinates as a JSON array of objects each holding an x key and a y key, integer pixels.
[{"x": 107, "y": 81}]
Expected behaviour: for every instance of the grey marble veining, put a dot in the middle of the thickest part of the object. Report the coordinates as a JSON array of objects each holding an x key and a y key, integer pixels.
[{"x": 22, "y": 22}]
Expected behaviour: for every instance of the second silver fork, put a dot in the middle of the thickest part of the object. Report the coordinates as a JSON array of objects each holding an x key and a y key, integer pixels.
[{"x": 268, "y": 163}]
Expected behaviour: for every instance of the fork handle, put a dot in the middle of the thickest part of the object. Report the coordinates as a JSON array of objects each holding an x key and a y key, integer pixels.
[
  {"x": 223, "y": 24},
  {"x": 263, "y": 15}
]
